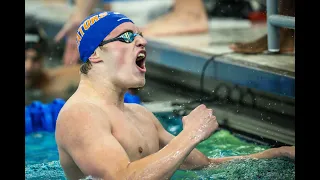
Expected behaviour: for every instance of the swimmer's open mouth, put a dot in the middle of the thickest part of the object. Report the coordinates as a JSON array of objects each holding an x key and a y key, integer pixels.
[{"x": 141, "y": 59}]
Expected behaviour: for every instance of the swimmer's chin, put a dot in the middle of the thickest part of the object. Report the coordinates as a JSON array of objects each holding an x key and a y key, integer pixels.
[{"x": 139, "y": 85}]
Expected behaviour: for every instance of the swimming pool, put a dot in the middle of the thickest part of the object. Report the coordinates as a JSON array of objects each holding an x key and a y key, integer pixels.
[{"x": 42, "y": 160}]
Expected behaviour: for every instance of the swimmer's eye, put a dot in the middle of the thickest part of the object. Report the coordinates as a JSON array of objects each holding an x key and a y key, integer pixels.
[{"x": 126, "y": 37}]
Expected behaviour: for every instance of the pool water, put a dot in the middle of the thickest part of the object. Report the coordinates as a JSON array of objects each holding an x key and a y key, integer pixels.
[{"x": 42, "y": 160}]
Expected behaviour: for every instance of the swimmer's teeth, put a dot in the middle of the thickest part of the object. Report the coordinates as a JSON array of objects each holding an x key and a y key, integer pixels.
[{"x": 140, "y": 56}]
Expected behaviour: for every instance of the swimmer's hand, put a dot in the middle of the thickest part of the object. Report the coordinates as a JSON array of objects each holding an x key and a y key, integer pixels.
[
  {"x": 287, "y": 151},
  {"x": 200, "y": 123},
  {"x": 71, "y": 54}
]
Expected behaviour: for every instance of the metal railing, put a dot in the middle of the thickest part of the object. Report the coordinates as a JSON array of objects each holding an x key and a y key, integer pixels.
[{"x": 274, "y": 22}]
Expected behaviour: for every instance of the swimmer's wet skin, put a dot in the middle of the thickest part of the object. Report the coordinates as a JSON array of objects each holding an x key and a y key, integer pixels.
[{"x": 99, "y": 135}]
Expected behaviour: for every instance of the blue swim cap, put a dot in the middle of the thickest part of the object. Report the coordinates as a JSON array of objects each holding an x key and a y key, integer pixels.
[{"x": 94, "y": 29}]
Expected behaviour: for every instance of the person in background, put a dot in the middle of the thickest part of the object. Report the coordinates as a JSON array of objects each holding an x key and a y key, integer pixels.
[
  {"x": 189, "y": 17},
  {"x": 286, "y": 8},
  {"x": 186, "y": 17},
  {"x": 45, "y": 83}
]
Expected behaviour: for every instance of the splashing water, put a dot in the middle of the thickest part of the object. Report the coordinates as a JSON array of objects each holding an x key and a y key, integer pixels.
[
  {"x": 44, "y": 171},
  {"x": 42, "y": 160}
]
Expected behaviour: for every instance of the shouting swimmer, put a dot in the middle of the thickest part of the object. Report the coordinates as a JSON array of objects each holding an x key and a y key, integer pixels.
[{"x": 98, "y": 135}]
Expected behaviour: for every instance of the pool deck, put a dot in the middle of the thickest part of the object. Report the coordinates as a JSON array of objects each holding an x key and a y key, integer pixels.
[{"x": 266, "y": 72}]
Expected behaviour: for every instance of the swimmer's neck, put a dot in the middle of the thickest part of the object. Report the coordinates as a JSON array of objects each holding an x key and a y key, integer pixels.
[{"x": 104, "y": 90}]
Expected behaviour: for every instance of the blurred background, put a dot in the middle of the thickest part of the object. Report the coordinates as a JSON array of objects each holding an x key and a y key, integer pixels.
[{"x": 235, "y": 56}]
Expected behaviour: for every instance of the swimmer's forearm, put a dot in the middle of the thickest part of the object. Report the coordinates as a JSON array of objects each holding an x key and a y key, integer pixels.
[
  {"x": 85, "y": 7},
  {"x": 269, "y": 153},
  {"x": 165, "y": 162},
  {"x": 196, "y": 160}
]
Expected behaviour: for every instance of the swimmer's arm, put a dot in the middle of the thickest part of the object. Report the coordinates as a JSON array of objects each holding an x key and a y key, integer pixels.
[
  {"x": 284, "y": 151},
  {"x": 98, "y": 153},
  {"x": 195, "y": 160}
]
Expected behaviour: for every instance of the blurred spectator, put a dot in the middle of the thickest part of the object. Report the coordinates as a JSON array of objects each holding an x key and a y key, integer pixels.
[
  {"x": 287, "y": 8},
  {"x": 186, "y": 17},
  {"x": 41, "y": 83},
  {"x": 82, "y": 10}
]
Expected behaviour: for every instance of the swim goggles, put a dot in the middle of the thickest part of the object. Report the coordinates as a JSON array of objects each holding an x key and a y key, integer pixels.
[{"x": 126, "y": 37}]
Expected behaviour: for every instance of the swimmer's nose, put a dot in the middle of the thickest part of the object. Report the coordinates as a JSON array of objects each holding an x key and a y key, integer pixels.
[{"x": 141, "y": 41}]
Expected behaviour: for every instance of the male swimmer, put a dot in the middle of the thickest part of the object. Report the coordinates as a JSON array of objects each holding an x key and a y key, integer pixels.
[{"x": 99, "y": 135}]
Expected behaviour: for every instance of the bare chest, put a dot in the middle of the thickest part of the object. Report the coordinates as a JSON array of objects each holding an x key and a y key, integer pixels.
[{"x": 138, "y": 138}]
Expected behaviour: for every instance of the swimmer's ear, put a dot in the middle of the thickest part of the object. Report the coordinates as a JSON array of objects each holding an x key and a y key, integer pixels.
[{"x": 95, "y": 58}]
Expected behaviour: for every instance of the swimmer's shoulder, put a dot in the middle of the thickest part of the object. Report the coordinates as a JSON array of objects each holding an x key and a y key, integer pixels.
[
  {"x": 77, "y": 114},
  {"x": 75, "y": 108},
  {"x": 74, "y": 119}
]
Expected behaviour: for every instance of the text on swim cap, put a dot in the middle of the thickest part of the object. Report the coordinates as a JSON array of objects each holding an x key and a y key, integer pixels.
[{"x": 87, "y": 24}]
